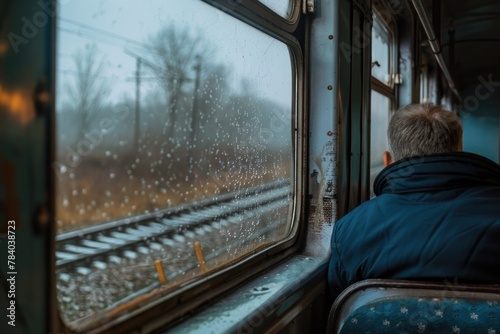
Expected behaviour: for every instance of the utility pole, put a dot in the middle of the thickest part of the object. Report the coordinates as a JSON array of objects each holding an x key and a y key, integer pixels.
[
  {"x": 194, "y": 110},
  {"x": 137, "y": 103}
]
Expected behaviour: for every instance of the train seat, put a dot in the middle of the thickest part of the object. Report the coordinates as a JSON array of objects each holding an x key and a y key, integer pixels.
[{"x": 394, "y": 306}]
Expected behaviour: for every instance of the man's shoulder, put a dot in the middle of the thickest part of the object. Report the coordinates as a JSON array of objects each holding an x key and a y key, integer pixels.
[{"x": 365, "y": 212}]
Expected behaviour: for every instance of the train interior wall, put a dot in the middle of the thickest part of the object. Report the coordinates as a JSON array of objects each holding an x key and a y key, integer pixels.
[{"x": 481, "y": 118}]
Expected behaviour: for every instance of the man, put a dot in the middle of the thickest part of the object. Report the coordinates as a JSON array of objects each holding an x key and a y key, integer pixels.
[{"x": 437, "y": 211}]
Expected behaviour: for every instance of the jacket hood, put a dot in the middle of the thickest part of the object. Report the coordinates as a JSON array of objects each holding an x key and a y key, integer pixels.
[{"x": 437, "y": 172}]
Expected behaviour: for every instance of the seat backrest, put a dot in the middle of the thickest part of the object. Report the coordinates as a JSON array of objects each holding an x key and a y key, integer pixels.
[{"x": 396, "y": 306}]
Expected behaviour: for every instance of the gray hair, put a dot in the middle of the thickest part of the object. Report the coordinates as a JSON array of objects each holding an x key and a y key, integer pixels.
[{"x": 422, "y": 129}]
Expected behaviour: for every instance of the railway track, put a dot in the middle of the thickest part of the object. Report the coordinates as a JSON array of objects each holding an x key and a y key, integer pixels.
[
  {"x": 105, "y": 265},
  {"x": 120, "y": 238}
]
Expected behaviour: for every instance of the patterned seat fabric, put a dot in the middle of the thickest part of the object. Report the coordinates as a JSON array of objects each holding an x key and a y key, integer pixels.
[{"x": 402, "y": 314}]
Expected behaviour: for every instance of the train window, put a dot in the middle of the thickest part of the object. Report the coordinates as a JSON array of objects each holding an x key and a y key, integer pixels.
[
  {"x": 382, "y": 62},
  {"x": 433, "y": 85},
  {"x": 383, "y": 92},
  {"x": 281, "y": 7},
  {"x": 428, "y": 81},
  {"x": 446, "y": 100},
  {"x": 380, "y": 114},
  {"x": 174, "y": 148},
  {"x": 424, "y": 79}
]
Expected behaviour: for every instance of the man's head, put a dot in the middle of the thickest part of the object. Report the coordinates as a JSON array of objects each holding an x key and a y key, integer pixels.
[{"x": 421, "y": 129}]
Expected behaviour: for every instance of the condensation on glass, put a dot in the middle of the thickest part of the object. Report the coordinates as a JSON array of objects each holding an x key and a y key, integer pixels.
[
  {"x": 174, "y": 147},
  {"x": 381, "y": 51},
  {"x": 283, "y": 8}
]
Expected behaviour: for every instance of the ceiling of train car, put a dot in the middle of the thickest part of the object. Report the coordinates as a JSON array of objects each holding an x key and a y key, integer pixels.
[{"x": 476, "y": 26}]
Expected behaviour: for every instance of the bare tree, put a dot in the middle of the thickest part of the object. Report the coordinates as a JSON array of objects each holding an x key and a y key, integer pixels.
[
  {"x": 179, "y": 52},
  {"x": 91, "y": 87}
]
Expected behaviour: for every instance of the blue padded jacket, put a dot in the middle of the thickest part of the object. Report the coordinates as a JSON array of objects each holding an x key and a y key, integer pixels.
[{"x": 435, "y": 217}]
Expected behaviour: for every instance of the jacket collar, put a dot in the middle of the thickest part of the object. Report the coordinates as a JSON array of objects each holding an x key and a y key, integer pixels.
[{"x": 437, "y": 172}]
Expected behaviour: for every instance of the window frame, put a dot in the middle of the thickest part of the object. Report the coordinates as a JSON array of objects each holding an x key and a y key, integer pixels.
[
  {"x": 245, "y": 10},
  {"x": 387, "y": 89},
  {"x": 424, "y": 80},
  {"x": 160, "y": 309},
  {"x": 382, "y": 13}
]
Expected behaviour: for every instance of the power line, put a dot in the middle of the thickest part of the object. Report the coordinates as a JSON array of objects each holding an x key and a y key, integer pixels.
[
  {"x": 80, "y": 74},
  {"x": 90, "y": 36},
  {"x": 104, "y": 32}
]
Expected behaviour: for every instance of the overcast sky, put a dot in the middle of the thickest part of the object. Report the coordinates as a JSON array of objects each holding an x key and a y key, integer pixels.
[{"x": 116, "y": 25}]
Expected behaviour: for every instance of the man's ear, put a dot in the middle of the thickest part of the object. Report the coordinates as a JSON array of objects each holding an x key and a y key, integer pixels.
[{"x": 386, "y": 157}]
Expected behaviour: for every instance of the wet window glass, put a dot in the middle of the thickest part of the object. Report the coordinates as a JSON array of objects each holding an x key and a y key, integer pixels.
[
  {"x": 381, "y": 51},
  {"x": 380, "y": 113},
  {"x": 174, "y": 148},
  {"x": 281, "y": 7}
]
